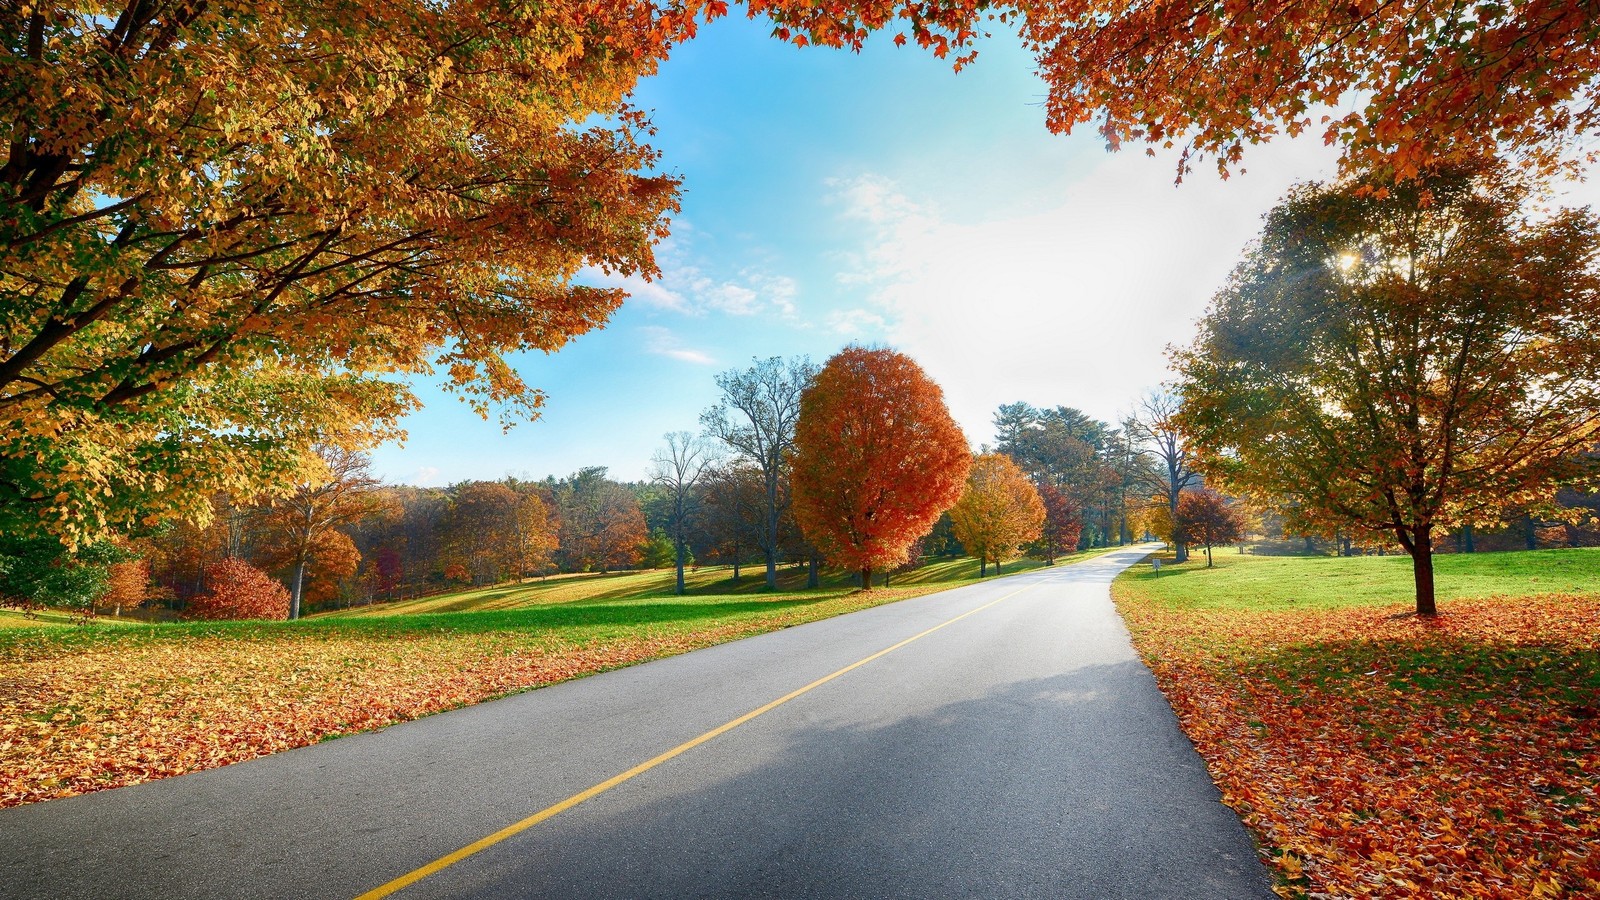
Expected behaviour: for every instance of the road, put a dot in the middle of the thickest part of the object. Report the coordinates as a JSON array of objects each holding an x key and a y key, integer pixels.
[{"x": 1012, "y": 745}]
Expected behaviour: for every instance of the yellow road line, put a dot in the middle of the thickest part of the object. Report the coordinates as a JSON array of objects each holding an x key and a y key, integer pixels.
[{"x": 451, "y": 859}]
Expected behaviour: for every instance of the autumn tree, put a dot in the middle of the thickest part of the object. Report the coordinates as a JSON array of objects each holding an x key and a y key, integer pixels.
[
  {"x": 1403, "y": 362},
  {"x": 877, "y": 458},
  {"x": 602, "y": 526},
  {"x": 222, "y": 223},
  {"x": 1435, "y": 80},
  {"x": 238, "y": 590},
  {"x": 1087, "y": 459},
  {"x": 343, "y": 493},
  {"x": 1155, "y": 428},
  {"x": 679, "y": 469},
  {"x": 127, "y": 584},
  {"x": 998, "y": 512},
  {"x": 756, "y": 418},
  {"x": 1059, "y": 533},
  {"x": 497, "y": 532},
  {"x": 1205, "y": 517}
]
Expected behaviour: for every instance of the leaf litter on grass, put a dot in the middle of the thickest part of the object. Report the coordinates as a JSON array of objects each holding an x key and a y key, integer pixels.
[{"x": 1379, "y": 754}]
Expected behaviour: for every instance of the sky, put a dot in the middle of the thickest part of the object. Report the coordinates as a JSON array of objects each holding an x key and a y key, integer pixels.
[{"x": 877, "y": 198}]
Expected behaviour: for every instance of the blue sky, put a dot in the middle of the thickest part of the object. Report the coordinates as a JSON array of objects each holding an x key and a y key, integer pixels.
[{"x": 832, "y": 197}]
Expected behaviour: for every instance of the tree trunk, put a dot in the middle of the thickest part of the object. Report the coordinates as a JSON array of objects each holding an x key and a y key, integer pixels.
[
  {"x": 772, "y": 530},
  {"x": 811, "y": 571},
  {"x": 1208, "y": 556},
  {"x": 680, "y": 555},
  {"x": 997, "y": 571},
  {"x": 1529, "y": 536},
  {"x": 1422, "y": 571},
  {"x": 983, "y": 567},
  {"x": 866, "y": 578},
  {"x": 1466, "y": 534},
  {"x": 299, "y": 580}
]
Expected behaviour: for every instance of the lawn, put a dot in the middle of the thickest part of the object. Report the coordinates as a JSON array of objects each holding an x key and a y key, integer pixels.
[
  {"x": 102, "y": 705},
  {"x": 1378, "y": 754}
]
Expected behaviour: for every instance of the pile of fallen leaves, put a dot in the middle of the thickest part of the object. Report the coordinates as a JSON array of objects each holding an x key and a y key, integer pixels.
[
  {"x": 75, "y": 719},
  {"x": 1379, "y": 754}
]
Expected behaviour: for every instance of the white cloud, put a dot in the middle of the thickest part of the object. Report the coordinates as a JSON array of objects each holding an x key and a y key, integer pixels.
[
  {"x": 685, "y": 287},
  {"x": 855, "y": 322},
  {"x": 424, "y": 476},
  {"x": 1072, "y": 303},
  {"x": 662, "y": 342},
  {"x": 651, "y": 293}
]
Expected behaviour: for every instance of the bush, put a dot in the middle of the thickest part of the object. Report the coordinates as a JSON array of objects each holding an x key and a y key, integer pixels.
[{"x": 238, "y": 590}]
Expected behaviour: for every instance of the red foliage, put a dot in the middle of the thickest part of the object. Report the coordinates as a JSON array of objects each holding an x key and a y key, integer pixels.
[
  {"x": 238, "y": 590},
  {"x": 1063, "y": 523},
  {"x": 877, "y": 458},
  {"x": 1378, "y": 754}
]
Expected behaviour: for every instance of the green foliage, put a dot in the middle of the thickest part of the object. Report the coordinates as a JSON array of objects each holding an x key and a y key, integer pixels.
[
  {"x": 659, "y": 552},
  {"x": 40, "y": 572}
]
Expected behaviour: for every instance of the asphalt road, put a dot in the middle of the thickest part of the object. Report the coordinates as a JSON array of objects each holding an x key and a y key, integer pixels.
[{"x": 1022, "y": 751}]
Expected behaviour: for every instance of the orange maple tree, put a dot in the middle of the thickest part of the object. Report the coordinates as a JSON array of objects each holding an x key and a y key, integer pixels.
[
  {"x": 998, "y": 512},
  {"x": 877, "y": 458}
]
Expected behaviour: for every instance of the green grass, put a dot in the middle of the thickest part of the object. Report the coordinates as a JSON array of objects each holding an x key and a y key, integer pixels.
[
  {"x": 579, "y": 608},
  {"x": 1331, "y": 582},
  {"x": 709, "y": 581}
]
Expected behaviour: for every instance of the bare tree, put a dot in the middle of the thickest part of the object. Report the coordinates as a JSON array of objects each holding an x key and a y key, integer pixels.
[
  {"x": 1153, "y": 427},
  {"x": 756, "y": 417},
  {"x": 679, "y": 468}
]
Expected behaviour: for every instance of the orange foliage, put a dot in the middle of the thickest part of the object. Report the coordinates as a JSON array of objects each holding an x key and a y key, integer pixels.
[
  {"x": 74, "y": 720},
  {"x": 127, "y": 585},
  {"x": 1437, "y": 80},
  {"x": 238, "y": 590},
  {"x": 877, "y": 458},
  {"x": 1378, "y": 754},
  {"x": 998, "y": 512}
]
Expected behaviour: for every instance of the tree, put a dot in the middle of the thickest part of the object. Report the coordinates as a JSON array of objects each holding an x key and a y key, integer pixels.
[
  {"x": 756, "y": 417},
  {"x": 602, "y": 526},
  {"x": 1403, "y": 363},
  {"x": 679, "y": 469},
  {"x": 238, "y": 590},
  {"x": 1080, "y": 455},
  {"x": 37, "y": 573},
  {"x": 127, "y": 584},
  {"x": 496, "y": 532},
  {"x": 998, "y": 512},
  {"x": 877, "y": 458},
  {"x": 1205, "y": 517},
  {"x": 344, "y": 494},
  {"x": 222, "y": 223},
  {"x": 733, "y": 512},
  {"x": 1438, "y": 80},
  {"x": 1061, "y": 528},
  {"x": 1155, "y": 427}
]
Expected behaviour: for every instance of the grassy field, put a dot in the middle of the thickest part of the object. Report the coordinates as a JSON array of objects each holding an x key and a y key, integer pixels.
[
  {"x": 1259, "y": 583},
  {"x": 1378, "y": 754},
  {"x": 102, "y": 705},
  {"x": 651, "y": 584}
]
